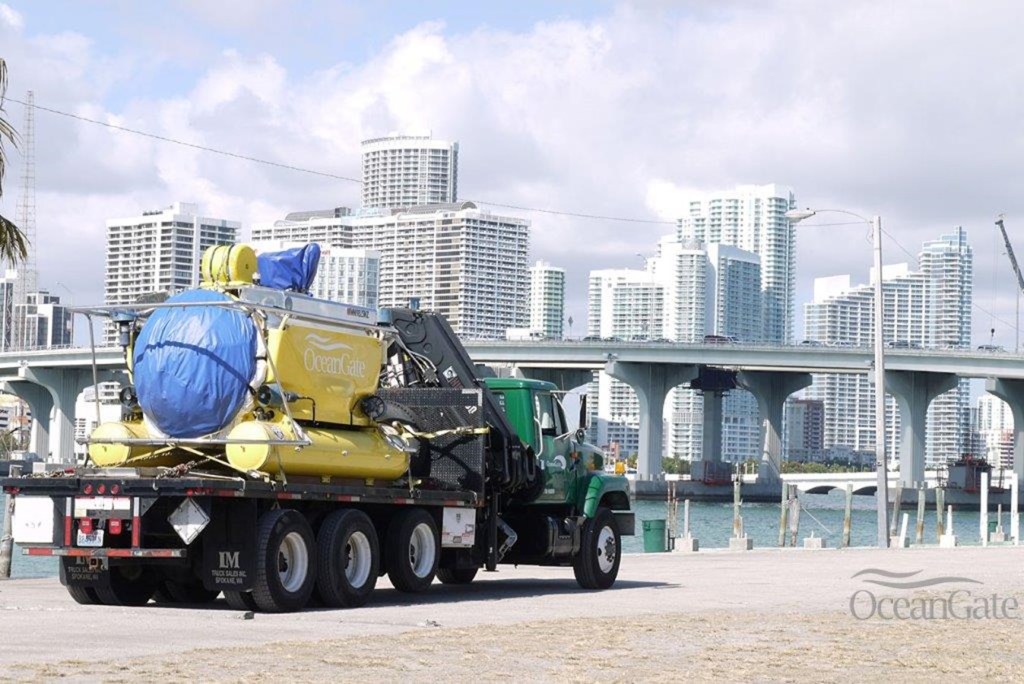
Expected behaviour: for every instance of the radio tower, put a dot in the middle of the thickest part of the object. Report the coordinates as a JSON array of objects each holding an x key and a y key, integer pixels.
[
  {"x": 27, "y": 203},
  {"x": 14, "y": 311}
]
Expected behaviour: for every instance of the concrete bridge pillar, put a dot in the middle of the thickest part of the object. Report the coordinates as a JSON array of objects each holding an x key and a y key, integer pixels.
[
  {"x": 1012, "y": 392},
  {"x": 652, "y": 383},
  {"x": 771, "y": 389},
  {"x": 711, "y": 447},
  {"x": 914, "y": 391},
  {"x": 64, "y": 386},
  {"x": 40, "y": 403}
]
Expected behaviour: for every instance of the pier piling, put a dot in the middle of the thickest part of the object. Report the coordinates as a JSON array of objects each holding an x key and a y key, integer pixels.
[
  {"x": 895, "y": 517},
  {"x": 983, "y": 517},
  {"x": 1014, "y": 505},
  {"x": 919, "y": 536},
  {"x": 7, "y": 538},
  {"x": 848, "y": 515},
  {"x": 783, "y": 511},
  {"x": 940, "y": 507}
]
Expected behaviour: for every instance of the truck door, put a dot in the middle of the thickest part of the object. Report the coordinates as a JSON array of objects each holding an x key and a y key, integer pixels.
[{"x": 559, "y": 466}]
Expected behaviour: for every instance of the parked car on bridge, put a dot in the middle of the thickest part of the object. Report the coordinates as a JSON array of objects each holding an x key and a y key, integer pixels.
[
  {"x": 720, "y": 339},
  {"x": 990, "y": 348}
]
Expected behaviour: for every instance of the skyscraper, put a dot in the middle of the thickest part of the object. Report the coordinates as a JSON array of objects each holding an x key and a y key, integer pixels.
[
  {"x": 995, "y": 430},
  {"x": 752, "y": 217},
  {"x": 547, "y": 299},
  {"x": 409, "y": 170},
  {"x": 42, "y": 322},
  {"x": 929, "y": 307},
  {"x": 159, "y": 251},
  {"x": 463, "y": 262}
]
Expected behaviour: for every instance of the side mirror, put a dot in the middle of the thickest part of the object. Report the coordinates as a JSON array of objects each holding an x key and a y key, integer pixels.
[
  {"x": 581, "y": 435},
  {"x": 583, "y": 413}
]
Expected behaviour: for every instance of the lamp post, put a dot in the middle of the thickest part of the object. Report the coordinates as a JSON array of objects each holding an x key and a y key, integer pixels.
[{"x": 881, "y": 465}]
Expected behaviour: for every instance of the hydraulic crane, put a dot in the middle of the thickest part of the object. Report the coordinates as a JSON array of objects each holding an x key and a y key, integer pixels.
[{"x": 1016, "y": 270}]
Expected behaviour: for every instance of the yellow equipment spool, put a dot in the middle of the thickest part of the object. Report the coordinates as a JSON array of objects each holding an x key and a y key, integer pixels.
[
  {"x": 363, "y": 454},
  {"x": 230, "y": 265},
  {"x": 107, "y": 455}
]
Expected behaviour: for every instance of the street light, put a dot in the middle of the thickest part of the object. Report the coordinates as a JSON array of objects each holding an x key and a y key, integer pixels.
[{"x": 882, "y": 492}]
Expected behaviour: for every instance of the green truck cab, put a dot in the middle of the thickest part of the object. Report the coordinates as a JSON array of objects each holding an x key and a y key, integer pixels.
[{"x": 574, "y": 477}]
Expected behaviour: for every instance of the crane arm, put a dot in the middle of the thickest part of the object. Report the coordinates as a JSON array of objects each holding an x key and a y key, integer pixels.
[{"x": 1009, "y": 253}]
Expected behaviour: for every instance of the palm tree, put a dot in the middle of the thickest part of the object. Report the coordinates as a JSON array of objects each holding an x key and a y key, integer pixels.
[{"x": 13, "y": 247}]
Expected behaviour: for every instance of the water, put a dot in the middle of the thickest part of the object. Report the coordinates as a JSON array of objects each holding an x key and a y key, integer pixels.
[{"x": 711, "y": 523}]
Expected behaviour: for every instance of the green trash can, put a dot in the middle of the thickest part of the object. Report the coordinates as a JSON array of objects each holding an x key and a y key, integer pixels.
[{"x": 654, "y": 536}]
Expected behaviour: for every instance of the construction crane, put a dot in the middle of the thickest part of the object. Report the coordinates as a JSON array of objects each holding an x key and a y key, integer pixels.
[{"x": 1016, "y": 270}]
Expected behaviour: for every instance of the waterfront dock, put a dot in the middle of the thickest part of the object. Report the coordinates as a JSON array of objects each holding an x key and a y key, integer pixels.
[{"x": 749, "y": 616}]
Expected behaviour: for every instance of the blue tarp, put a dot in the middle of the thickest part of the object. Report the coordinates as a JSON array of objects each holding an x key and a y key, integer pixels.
[
  {"x": 193, "y": 365},
  {"x": 290, "y": 269}
]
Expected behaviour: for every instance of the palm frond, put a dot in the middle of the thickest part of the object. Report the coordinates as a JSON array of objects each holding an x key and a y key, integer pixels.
[{"x": 13, "y": 245}]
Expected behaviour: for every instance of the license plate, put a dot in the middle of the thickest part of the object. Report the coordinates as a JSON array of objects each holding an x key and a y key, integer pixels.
[{"x": 92, "y": 539}]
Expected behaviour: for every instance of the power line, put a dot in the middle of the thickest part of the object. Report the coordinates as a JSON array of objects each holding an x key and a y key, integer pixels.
[
  {"x": 325, "y": 174},
  {"x": 203, "y": 148}
]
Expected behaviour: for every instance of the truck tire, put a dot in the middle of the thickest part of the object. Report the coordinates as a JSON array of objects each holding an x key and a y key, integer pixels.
[
  {"x": 285, "y": 562},
  {"x": 130, "y": 585},
  {"x": 192, "y": 591},
  {"x": 348, "y": 559},
  {"x": 456, "y": 575},
  {"x": 412, "y": 549},
  {"x": 84, "y": 595},
  {"x": 240, "y": 600},
  {"x": 597, "y": 564}
]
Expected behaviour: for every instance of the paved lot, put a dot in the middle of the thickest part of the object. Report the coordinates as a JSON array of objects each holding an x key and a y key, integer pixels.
[{"x": 763, "y": 614}]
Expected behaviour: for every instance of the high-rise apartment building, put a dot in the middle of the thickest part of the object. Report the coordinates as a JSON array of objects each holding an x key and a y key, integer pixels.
[
  {"x": 547, "y": 299},
  {"x": 929, "y": 307},
  {"x": 409, "y": 170},
  {"x": 159, "y": 251},
  {"x": 466, "y": 263},
  {"x": 994, "y": 427},
  {"x": 8, "y": 292},
  {"x": 463, "y": 262},
  {"x": 805, "y": 430},
  {"x": 752, "y": 217},
  {"x": 42, "y": 322},
  {"x": 344, "y": 275}
]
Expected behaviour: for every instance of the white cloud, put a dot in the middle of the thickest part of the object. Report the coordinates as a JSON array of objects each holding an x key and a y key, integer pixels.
[
  {"x": 10, "y": 17},
  {"x": 876, "y": 107}
]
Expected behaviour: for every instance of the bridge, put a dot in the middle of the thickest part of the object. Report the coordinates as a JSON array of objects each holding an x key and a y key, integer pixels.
[
  {"x": 914, "y": 377},
  {"x": 50, "y": 381}
]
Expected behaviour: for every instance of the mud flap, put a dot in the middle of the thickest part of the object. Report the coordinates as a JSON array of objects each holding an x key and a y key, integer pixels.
[
  {"x": 229, "y": 546},
  {"x": 84, "y": 572}
]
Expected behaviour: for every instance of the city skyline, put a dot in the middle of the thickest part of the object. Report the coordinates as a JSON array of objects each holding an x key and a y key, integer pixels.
[{"x": 532, "y": 135}]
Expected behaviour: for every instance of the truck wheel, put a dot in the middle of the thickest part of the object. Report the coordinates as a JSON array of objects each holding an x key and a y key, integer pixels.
[
  {"x": 348, "y": 557},
  {"x": 456, "y": 575},
  {"x": 285, "y": 562},
  {"x": 597, "y": 564},
  {"x": 84, "y": 595},
  {"x": 193, "y": 591},
  {"x": 411, "y": 549},
  {"x": 130, "y": 585},
  {"x": 240, "y": 600}
]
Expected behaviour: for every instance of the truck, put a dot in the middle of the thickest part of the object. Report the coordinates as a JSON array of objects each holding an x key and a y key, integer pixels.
[{"x": 284, "y": 450}]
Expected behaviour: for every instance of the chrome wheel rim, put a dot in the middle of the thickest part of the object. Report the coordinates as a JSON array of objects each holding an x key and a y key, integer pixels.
[
  {"x": 422, "y": 550},
  {"x": 357, "y": 559},
  {"x": 292, "y": 562},
  {"x": 606, "y": 549}
]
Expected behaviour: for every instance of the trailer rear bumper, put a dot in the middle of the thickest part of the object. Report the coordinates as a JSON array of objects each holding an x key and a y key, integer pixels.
[{"x": 104, "y": 553}]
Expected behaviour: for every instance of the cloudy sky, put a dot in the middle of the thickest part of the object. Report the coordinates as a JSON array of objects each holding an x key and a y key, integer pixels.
[{"x": 909, "y": 110}]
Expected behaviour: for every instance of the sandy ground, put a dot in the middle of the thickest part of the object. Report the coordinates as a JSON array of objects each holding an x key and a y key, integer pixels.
[{"x": 765, "y": 615}]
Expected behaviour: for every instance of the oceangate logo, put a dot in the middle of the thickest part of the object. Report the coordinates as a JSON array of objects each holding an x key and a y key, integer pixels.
[
  {"x": 948, "y": 599},
  {"x": 331, "y": 364}
]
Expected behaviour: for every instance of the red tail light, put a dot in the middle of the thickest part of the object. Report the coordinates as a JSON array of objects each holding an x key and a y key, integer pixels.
[
  {"x": 85, "y": 525},
  {"x": 102, "y": 489},
  {"x": 115, "y": 489},
  {"x": 114, "y": 525},
  {"x": 87, "y": 489}
]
